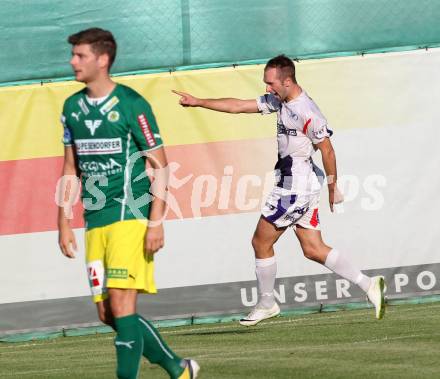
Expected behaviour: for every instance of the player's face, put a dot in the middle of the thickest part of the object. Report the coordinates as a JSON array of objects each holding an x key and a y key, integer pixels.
[
  {"x": 85, "y": 63},
  {"x": 274, "y": 85}
]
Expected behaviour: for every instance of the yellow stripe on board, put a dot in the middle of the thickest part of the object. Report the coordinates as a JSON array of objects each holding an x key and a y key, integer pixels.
[
  {"x": 353, "y": 92},
  {"x": 33, "y": 112}
]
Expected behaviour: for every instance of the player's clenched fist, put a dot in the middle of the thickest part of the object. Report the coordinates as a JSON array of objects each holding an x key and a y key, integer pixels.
[
  {"x": 187, "y": 100},
  {"x": 67, "y": 242},
  {"x": 154, "y": 239}
]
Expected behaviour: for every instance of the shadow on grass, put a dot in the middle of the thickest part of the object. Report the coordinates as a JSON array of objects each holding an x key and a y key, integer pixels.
[{"x": 219, "y": 332}]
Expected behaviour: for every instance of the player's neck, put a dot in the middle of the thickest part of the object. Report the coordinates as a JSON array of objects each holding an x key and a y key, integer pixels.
[
  {"x": 100, "y": 87},
  {"x": 294, "y": 93}
]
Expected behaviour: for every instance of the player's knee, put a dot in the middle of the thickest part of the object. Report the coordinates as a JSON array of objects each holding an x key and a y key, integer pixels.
[
  {"x": 259, "y": 245},
  {"x": 262, "y": 248},
  {"x": 255, "y": 242},
  {"x": 311, "y": 252}
]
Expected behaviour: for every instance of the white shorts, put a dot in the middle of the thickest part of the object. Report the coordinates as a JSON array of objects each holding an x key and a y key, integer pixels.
[{"x": 289, "y": 209}]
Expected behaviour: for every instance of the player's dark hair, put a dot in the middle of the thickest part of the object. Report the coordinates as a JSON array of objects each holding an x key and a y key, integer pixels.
[
  {"x": 285, "y": 66},
  {"x": 101, "y": 42}
]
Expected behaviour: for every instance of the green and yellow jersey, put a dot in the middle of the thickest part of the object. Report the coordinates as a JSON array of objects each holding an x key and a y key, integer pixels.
[{"x": 110, "y": 140}]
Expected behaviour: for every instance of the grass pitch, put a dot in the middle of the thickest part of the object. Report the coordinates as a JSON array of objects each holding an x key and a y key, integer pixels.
[{"x": 343, "y": 344}]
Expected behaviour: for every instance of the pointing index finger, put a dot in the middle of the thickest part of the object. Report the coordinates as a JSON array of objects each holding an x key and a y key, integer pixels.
[{"x": 178, "y": 92}]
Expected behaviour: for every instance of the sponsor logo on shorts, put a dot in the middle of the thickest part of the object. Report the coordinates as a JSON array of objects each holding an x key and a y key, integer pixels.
[
  {"x": 94, "y": 278},
  {"x": 270, "y": 206},
  {"x": 95, "y": 273},
  {"x": 146, "y": 130},
  {"x": 98, "y": 146},
  {"x": 117, "y": 273},
  {"x": 296, "y": 214},
  {"x": 300, "y": 211},
  {"x": 113, "y": 116},
  {"x": 109, "y": 105}
]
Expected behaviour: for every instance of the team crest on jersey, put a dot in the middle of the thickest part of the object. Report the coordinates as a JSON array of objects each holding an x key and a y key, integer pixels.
[
  {"x": 113, "y": 116},
  {"x": 292, "y": 114},
  {"x": 92, "y": 125}
]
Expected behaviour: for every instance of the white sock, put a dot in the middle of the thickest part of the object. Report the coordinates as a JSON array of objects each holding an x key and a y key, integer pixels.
[
  {"x": 266, "y": 271},
  {"x": 339, "y": 264}
]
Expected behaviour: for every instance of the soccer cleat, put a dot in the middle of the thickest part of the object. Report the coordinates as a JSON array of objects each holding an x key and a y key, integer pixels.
[
  {"x": 376, "y": 296},
  {"x": 191, "y": 370},
  {"x": 259, "y": 314}
]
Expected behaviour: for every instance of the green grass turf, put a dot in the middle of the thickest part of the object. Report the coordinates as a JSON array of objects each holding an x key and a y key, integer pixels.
[{"x": 342, "y": 344}]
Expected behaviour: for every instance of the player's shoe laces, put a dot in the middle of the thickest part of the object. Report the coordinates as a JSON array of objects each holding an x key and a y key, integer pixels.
[
  {"x": 376, "y": 295},
  {"x": 259, "y": 314},
  {"x": 191, "y": 369}
]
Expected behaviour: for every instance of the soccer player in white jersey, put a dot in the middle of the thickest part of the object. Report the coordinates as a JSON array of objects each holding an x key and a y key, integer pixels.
[{"x": 301, "y": 129}]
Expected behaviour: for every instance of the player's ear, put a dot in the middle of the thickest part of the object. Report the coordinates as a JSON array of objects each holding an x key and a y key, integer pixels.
[{"x": 104, "y": 61}]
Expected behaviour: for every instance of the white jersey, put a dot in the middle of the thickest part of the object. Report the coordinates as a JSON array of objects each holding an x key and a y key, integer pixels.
[{"x": 300, "y": 124}]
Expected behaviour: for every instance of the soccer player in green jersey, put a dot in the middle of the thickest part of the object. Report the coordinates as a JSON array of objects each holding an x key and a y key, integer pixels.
[{"x": 110, "y": 133}]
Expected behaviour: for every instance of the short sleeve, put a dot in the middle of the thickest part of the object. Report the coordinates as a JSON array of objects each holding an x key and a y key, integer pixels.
[
  {"x": 144, "y": 126},
  {"x": 316, "y": 128},
  {"x": 268, "y": 103},
  {"x": 67, "y": 135}
]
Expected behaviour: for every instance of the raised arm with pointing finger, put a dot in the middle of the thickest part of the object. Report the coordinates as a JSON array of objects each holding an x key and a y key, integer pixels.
[{"x": 228, "y": 105}]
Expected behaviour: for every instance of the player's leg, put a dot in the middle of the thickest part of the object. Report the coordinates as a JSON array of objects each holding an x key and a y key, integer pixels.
[
  {"x": 96, "y": 245},
  {"x": 112, "y": 310},
  {"x": 263, "y": 240},
  {"x": 315, "y": 249},
  {"x": 133, "y": 270},
  {"x": 158, "y": 352},
  {"x": 129, "y": 342},
  {"x": 265, "y": 236}
]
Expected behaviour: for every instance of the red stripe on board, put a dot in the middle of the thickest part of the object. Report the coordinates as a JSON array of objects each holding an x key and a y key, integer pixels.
[
  {"x": 206, "y": 179},
  {"x": 306, "y": 125},
  {"x": 27, "y": 190}
]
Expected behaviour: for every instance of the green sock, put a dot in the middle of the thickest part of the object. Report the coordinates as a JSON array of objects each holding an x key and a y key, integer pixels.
[
  {"x": 129, "y": 346},
  {"x": 157, "y": 351}
]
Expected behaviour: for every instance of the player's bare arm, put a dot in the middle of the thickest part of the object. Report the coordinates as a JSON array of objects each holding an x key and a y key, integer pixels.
[
  {"x": 154, "y": 239},
  {"x": 329, "y": 162},
  {"x": 227, "y": 105},
  {"x": 66, "y": 237}
]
